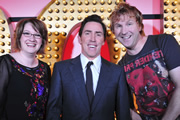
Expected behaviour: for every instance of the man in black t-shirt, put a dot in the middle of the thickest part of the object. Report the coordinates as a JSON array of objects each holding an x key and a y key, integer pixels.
[{"x": 151, "y": 66}]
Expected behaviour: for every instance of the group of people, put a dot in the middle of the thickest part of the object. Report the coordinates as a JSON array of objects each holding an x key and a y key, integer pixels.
[{"x": 143, "y": 86}]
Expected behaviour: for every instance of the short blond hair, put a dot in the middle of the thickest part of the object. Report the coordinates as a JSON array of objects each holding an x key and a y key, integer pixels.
[{"x": 126, "y": 9}]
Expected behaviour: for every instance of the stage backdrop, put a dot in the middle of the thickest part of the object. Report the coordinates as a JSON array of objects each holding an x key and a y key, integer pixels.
[{"x": 62, "y": 17}]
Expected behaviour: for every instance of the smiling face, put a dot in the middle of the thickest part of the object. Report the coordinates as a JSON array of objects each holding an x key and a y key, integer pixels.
[
  {"x": 127, "y": 31},
  {"x": 92, "y": 39},
  {"x": 30, "y": 40}
]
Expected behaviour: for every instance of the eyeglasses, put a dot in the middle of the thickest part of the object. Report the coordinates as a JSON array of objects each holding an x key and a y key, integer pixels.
[{"x": 36, "y": 36}]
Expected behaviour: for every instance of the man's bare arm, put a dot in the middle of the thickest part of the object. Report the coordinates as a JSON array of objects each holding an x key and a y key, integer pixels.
[{"x": 173, "y": 109}]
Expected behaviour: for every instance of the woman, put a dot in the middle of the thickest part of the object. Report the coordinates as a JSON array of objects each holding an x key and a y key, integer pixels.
[{"x": 24, "y": 80}]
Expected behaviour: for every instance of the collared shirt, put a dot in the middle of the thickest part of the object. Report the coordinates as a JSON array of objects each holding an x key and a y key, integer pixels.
[{"x": 95, "y": 68}]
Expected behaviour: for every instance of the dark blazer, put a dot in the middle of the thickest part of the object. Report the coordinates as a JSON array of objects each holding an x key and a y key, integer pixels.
[{"x": 68, "y": 95}]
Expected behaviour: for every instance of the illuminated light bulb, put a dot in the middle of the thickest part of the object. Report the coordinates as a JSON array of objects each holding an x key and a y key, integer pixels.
[
  {"x": 174, "y": 3},
  {"x": 174, "y": 10},
  {"x": 8, "y": 43},
  {"x": 2, "y": 21},
  {"x": 102, "y": 17},
  {"x": 138, "y": 111},
  {"x": 174, "y": 18},
  {"x": 174, "y": 26},
  {"x": 56, "y": 10},
  {"x": 49, "y": 25},
  {"x": 49, "y": 40},
  {"x": 167, "y": 18},
  {"x": 109, "y": 10},
  {"x": 94, "y": 2},
  {"x": 94, "y": 9},
  {"x": 79, "y": 2},
  {"x": 2, "y": 43},
  {"x": 64, "y": 26},
  {"x": 109, "y": 25},
  {"x": 79, "y": 17},
  {"x": 166, "y": 2},
  {"x": 116, "y": 56},
  {"x": 8, "y": 35},
  {"x": 49, "y": 63},
  {"x": 56, "y": 48},
  {"x": 64, "y": 2},
  {"x": 79, "y": 10},
  {"x": 48, "y": 48},
  {"x": 167, "y": 32},
  {"x": 57, "y": 2},
  {"x": 56, "y": 56},
  {"x": 42, "y": 18},
  {"x": 57, "y": 25},
  {"x": 86, "y": 2},
  {"x": 71, "y": 10},
  {"x": 71, "y": 17},
  {"x": 64, "y": 17},
  {"x": 37, "y": 56},
  {"x": 64, "y": 10},
  {"x": 63, "y": 33},
  {"x": 116, "y": 41},
  {"x": 167, "y": 25},
  {"x": 109, "y": 2},
  {"x": 124, "y": 49},
  {"x": 174, "y": 33},
  {"x": 114, "y": 37},
  {"x": 50, "y": 10},
  {"x": 101, "y": 9},
  {"x": 2, "y": 28},
  {"x": 109, "y": 33},
  {"x": 56, "y": 33},
  {"x": 1, "y": 51},
  {"x": 2, "y": 36},
  {"x": 49, "y": 33},
  {"x": 116, "y": 49},
  {"x": 71, "y": 2},
  {"x": 86, "y": 10},
  {"x": 117, "y": 2},
  {"x": 56, "y": 40},
  {"x": 56, "y": 18},
  {"x": 166, "y": 10},
  {"x": 102, "y": 2},
  {"x": 49, "y": 18},
  {"x": 8, "y": 50},
  {"x": 41, "y": 56},
  {"x": 48, "y": 56}
]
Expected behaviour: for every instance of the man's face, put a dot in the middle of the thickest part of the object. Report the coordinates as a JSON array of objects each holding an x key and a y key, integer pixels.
[
  {"x": 91, "y": 40},
  {"x": 127, "y": 31}
]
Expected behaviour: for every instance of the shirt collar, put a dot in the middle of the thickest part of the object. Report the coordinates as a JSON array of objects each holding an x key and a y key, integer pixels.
[{"x": 96, "y": 62}]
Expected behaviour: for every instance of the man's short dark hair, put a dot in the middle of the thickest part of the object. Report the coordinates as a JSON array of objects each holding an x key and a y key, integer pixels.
[{"x": 92, "y": 18}]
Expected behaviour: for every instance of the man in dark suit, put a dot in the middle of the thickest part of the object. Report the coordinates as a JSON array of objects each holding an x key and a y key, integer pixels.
[{"x": 76, "y": 96}]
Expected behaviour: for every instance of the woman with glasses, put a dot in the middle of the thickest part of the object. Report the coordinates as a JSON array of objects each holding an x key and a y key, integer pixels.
[{"x": 24, "y": 80}]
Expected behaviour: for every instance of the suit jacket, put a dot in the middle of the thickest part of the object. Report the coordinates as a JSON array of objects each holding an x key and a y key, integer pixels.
[{"x": 68, "y": 95}]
